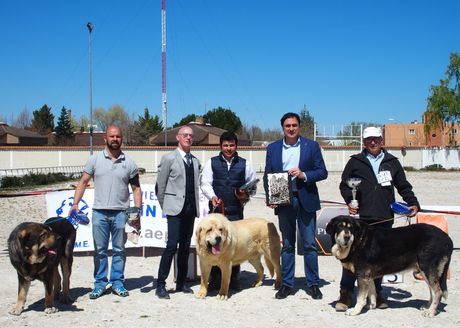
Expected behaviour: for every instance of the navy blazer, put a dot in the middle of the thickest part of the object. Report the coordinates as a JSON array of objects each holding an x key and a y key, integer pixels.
[{"x": 311, "y": 163}]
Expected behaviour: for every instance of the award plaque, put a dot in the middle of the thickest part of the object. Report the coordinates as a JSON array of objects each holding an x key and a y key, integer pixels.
[{"x": 279, "y": 188}]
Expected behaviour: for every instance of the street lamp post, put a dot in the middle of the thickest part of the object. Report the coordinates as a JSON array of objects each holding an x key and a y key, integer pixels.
[{"x": 90, "y": 29}]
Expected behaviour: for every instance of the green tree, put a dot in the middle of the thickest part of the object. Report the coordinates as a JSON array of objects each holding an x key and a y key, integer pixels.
[
  {"x": 43, "y": 120},
  {"x": 351, "y": 133},
  {"x": 145, "y": 127},
  {"x": 117, "y": 115},
  {"x": 307, "y": 128},
  {"x": 444, "y": 100},
  {"x": 64, "y": 129},
  {"x": 187, "y": 119},
  {"x": 81, "y": 125},
  {"x": 224, "y": 118}
]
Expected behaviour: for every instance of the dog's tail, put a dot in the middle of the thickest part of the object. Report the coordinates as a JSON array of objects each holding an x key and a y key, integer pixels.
[{"x": 270, "y": 266}]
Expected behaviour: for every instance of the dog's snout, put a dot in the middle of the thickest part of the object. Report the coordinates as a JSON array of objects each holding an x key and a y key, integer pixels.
[{"x": 218, "y": 239}]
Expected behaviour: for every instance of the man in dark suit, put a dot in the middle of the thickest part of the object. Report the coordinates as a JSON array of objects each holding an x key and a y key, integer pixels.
[
  {"x": 178, "y": 194},
  {"x": 302, "y": 159}
]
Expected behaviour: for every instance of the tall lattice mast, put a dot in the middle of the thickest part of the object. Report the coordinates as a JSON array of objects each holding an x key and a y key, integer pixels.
[{"x": 163, "y": 68}]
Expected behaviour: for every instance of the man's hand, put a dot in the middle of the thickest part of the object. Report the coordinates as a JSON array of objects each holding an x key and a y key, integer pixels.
[
  {"x": 352, "y": 210},
  {"x": 215, "y": 201},
  {"x": 73, "y": 209},
  {"x": 134, "y": 218},
  {"x": 414, "y": 212},
  {"x": 242, "y": 195},
  {"x": 296, "y": 172}
]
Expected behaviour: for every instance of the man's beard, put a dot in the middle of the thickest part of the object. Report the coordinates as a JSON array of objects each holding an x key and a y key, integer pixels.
[{"x": 113, "y": 145}]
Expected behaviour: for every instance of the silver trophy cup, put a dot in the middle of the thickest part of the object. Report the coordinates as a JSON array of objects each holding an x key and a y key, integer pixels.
[{"x": 353, "y": 183}]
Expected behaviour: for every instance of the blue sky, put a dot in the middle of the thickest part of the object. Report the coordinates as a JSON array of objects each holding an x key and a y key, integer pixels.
[{"x": 345, "y": 60}]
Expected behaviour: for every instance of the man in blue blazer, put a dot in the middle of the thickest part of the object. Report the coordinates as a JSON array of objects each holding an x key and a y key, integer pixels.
[{"x": 302, "y": 159}]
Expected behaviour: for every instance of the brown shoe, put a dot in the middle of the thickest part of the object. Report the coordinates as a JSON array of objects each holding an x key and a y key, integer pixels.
[{"x": 345, "y": 301}]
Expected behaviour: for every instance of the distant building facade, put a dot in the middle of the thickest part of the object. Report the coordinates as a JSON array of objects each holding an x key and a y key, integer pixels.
[
  {"x": 414, "y": 135},
  {"x": 204, "y": 134},
  {"x": 11, "y": 136}
]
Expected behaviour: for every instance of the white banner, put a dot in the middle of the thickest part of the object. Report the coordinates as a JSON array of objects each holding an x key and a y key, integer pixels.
[{"x": 154, "y": 226}]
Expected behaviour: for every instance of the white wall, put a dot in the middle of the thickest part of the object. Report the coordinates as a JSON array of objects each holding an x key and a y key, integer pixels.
[{"x": 335, "y": 158}]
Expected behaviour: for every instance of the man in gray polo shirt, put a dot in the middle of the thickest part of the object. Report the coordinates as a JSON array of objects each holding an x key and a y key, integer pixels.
[{"x": 112, "y": 172}]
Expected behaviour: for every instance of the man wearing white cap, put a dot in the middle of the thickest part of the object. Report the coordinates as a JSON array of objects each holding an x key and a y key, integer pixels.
[{"x": 379, "y": 172}]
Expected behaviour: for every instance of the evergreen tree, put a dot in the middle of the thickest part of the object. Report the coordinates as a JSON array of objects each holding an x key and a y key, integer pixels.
[
  {"x": 187, "y": 119},
  {"x": 145, "y": 127},
  {"x": 64, "y": 130},
  {"x": 224, "y": 118},
  {"x": 43, "y": 120},
  {"x": 307, "y": 125}
]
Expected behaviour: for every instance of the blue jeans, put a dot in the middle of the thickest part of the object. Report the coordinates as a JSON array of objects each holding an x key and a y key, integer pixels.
[
  {"x": 288, "y": 216},
  {"x": 106, "y": 223}
]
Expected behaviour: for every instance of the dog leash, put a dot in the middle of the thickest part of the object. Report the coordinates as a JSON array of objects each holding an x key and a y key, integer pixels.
[
  {"x": 385, "y": 220},
  {"x": 222, "y": 206}
]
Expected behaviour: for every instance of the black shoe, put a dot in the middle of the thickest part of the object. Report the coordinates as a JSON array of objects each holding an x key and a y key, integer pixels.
[
  {"x": 381, "y": 302},
  {"x": 314, "y": 292},
  {"x": 284, "y": 292},
  {"x": 162, "y": 293},
  {"x": 235, "y": 284},
  {"x": 184, "y": 289}
]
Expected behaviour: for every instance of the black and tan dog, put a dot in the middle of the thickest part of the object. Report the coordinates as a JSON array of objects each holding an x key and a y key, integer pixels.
[
  {"x": 371, "y": 252},
  {"x": 36, "y": 250}
]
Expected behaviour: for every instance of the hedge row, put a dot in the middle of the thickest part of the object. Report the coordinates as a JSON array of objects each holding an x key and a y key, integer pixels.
[{"x": 35, "y": 180}]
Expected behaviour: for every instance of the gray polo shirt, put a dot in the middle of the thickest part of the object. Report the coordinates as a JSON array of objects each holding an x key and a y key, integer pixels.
[{"x": 111, "y": 180}]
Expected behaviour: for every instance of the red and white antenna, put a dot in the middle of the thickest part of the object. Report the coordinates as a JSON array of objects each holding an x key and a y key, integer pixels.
[{"x": 163, "y": 68}]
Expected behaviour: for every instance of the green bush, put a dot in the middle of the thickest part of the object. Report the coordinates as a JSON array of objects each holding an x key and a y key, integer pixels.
[
  {"x": 434, "y": 167},
  {"x": 34, "y": 180},
  {"x": 409, "y": 168}
]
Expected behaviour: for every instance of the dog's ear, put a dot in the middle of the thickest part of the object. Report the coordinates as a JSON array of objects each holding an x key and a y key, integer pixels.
[
  {"x": 23, "y": 237},
  {"x": 358, "y": 225},
  {"x": 198, "y": 235},
  {"x": 330, "y": 226}
]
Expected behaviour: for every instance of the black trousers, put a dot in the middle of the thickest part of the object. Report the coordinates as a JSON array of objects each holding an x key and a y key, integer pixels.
[
  {"x": 215, "y": 275},
  {"x": 180, "y": 230}
]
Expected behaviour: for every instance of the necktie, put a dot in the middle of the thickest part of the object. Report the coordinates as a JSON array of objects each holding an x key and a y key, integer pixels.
[{"x": 188, "y": 157}]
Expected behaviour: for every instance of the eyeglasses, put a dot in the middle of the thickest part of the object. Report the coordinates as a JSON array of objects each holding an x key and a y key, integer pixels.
[
  {"x": 185, "y": 135},
  {"x": 374, "y": 139}
]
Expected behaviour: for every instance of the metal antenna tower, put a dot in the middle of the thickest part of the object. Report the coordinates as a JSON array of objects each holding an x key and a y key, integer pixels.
[{"x": 163, "y": 69}]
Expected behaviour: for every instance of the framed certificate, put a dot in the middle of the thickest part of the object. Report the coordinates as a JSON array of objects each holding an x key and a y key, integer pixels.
[{"x": 279, "y": 188}]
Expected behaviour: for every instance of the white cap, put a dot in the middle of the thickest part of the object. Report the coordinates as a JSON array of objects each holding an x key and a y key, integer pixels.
[{"x": 372, "y": 131}]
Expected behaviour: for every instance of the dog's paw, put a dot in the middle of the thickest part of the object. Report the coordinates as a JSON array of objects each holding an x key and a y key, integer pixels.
[
  {"x": 352, "y": 312},
  {"x": 66, "y": 299},
  {"x": 277, "y": 284},
  {"x": 16, "y": 310},
  {"x": 257, "y": 284},
  {"x": 50, "y": 310},
  {"x": 222, "y": 297},
  {"x": 201, "y": 293},
  {"x": 428, "y": 313}
]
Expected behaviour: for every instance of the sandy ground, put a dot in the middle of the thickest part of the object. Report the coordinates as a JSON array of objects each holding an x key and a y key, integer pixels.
[{"x": 251, "y": 307}]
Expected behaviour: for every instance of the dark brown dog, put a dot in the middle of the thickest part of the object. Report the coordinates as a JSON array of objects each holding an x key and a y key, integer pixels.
[
  {"x": 36, "y": 250},
  {"x": 371, "y": 252}
]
